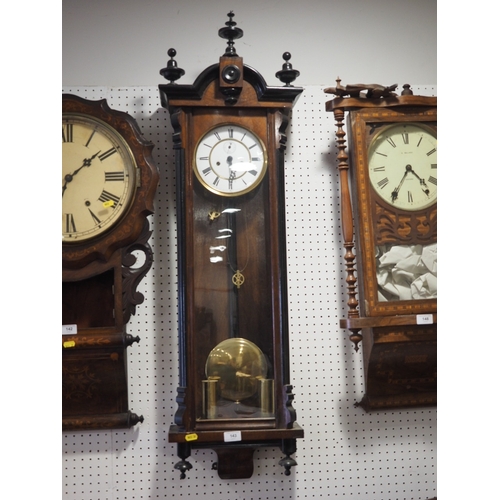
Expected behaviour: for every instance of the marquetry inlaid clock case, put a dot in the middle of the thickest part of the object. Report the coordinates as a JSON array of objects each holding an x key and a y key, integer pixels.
[
  {"x": 388, "y": 187},
  {"x": 109, "y": 181}
]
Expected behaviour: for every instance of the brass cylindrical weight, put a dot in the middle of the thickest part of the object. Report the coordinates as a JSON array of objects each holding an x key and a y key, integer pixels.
[
  {"x": 266, "y": 391},
  {"x": 209, "y": 388}
]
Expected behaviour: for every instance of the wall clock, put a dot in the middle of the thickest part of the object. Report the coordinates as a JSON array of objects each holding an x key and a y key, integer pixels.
[
  {"x": 389, "y": 215},
  {"x": 229, "y": 136},
  {"x": 108, "y": 185}
]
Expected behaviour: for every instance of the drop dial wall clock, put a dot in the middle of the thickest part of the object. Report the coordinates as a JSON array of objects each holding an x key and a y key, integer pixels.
[
  {"x": 108, "y": 185},
  {"x": 389, "y": 220},
  {"x": 229, "y": 136}
]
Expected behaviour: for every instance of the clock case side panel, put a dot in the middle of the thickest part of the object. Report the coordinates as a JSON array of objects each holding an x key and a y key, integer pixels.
[{"x": 361, "y": 122}]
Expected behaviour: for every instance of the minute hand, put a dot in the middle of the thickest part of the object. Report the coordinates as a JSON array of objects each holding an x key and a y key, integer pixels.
[{"x": 394, "y": 194}]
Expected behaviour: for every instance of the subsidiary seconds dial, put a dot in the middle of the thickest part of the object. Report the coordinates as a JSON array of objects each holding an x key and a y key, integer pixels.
[
  {"x": 230, "y": 160},
  {"x": 402, "y": 166}
]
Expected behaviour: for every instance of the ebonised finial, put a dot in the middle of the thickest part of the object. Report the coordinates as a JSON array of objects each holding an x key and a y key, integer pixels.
[
  {"x": 287, "y": 74},
  {"x": 172, "y": 72},
  {"x": 406, "y": 89},
  {"x": 230, "y": 32}
]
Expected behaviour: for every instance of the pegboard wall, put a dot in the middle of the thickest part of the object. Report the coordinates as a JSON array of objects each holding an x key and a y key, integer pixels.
[{"x": 346, "y": 453}]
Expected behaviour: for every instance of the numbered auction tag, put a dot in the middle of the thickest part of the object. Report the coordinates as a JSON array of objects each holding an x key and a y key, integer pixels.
[
  {"x": 424, "y": 319},
  {"x": 232, "y": 436},
  {"x": 191, "y": 437},
  {"x": 69, "y": 330}
]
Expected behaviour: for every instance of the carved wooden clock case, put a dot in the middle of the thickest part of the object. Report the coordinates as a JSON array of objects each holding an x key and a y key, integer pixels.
[
  {"x": 391, "y": 220},
  {"x": 109, "y": 181},
  {"x": 229, "y": 137}
]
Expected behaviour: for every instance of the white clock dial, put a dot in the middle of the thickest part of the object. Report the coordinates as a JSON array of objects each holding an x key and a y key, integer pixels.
[
  {"x": 230, "y": 160},
  {"x": 402, "y": 165}
]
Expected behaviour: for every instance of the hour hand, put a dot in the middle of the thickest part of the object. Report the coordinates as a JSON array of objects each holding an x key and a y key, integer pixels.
[
  {"x": 423, "y": 184},
  {"x": 69, "y": 177}
]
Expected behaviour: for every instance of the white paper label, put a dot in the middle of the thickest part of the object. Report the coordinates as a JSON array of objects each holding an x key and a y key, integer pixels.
[
  {"x": 232, "y": 436},
  {"x": 424, "y": 319},
  {"x": 69, "y": 330}
]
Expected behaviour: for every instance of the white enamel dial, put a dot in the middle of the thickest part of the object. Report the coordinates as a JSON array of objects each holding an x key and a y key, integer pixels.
[
  {"x": 230, "y": 160},
  {"x": 402, "y": 165}
]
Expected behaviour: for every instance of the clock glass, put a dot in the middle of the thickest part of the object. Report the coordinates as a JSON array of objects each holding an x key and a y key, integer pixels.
[
  {"x": 232, "y": 276},
  {"x": 230, "y": 160},
  {"x": 402, "y": 167},
  {"x": 402, "y": 164},
  {"x": 98, "y": 177}
]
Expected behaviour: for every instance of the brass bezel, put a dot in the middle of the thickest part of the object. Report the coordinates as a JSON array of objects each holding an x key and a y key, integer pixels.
[
  {"x": 130, "y": 164},
  {"x": 218, "y": 192}
]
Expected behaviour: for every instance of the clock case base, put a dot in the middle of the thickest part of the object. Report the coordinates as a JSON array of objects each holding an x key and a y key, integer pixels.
[
  {"x": 235, "y": 460},
  {"x": 400, "y": 367},
  {"x": 94, "y": 361}
]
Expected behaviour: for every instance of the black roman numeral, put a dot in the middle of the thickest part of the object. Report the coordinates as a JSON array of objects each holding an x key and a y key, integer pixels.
[
  {"x": 382, "y": 183},
  {"x": 70, "y": 223},
  {"x": 114, "y": 176},
  {"x": 67, "y": 133},
  {"x": 90, "y": 138},
  {"x": 107, "y": 196},
  {"x": 107, "y": 154},
  {"x": 390, "y": 140},
  {"x": 94, "y": 216}
]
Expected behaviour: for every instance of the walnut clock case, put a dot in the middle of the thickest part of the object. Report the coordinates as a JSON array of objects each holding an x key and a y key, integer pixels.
[
  {"x": 389, "y": 214},
  {"x": 109, "y": 181},
  {"x": 229, "y": 137}
]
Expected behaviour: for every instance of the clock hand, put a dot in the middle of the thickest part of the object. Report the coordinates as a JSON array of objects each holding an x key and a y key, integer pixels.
[
  {"x": 394, "y": 194},
  {"x": 425, "y": 189},
  {"x": 69, "y": 177},
  {"x": 232, "y": 172}
]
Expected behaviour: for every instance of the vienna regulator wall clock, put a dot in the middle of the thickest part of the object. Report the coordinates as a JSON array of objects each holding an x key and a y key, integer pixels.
[
  {"x": 389, "y": 215},
  {"x": 108, "y": 184},
  {"x": 229, "y": 135}
]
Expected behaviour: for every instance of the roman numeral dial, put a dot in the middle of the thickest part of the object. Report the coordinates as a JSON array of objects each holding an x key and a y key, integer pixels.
[
  {"x": 230, "y": 160},
  {"x": 402, "y": 165},
  {"x": 98, "y": 177}
]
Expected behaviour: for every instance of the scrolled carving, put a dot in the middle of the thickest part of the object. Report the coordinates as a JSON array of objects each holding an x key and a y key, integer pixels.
[{"x": 132, "y": 276}]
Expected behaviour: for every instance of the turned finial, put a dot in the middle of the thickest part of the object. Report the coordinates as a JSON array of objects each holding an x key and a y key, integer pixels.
[
  {"x": 406, "y": 89},
  {"x": 287, "y": 74},
  {"x": 230, "y": 32},
  {"x": 172, "y": 72}
]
